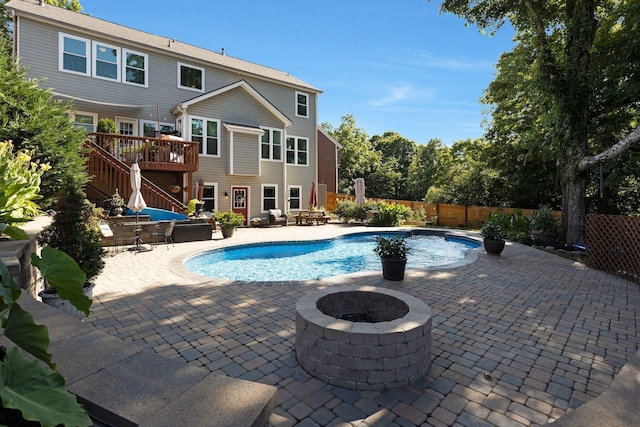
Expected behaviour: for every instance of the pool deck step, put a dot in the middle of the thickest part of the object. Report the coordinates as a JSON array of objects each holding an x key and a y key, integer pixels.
[{"x": 123, "y": 385}]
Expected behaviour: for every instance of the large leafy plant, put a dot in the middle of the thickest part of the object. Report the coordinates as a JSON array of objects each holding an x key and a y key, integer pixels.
[
  {"x": 34, "y": 390},
  {"x": 19, "y": 189},
  {"x": 38, "y": 391}
]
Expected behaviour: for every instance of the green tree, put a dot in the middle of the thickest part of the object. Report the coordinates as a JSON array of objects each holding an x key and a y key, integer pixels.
[
  {"x": 423, "y": 168},
  {"x": 585, "y": 57},
  {"x": 397, "y": 152},
  {"x": 34, "y": 121},
  {"x": 357, "y": 157},
  {"x": 73, "y": 5}
]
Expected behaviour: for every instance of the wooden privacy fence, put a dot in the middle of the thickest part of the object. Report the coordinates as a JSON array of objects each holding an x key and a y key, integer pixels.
[
  {"x": 444, "y": 214},
  {"x": 613, "y": 245}
]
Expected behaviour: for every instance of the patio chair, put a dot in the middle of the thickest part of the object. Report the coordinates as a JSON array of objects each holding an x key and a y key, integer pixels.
[
  {"x": 276, "y": 217},
  {"x": 165, "y": 233}
]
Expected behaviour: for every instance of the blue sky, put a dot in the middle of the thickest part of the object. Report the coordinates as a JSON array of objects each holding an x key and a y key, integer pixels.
[{"x": 394, "y": 65}]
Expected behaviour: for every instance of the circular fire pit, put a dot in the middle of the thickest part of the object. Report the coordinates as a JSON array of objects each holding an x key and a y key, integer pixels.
[{"x": 363, "y": 337}]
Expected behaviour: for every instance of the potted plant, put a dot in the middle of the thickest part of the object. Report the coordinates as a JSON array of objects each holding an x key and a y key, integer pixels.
[
  {"x": 256, "y": 222},
  {"x": 228, "y": 222},
  {"x": 393, "y": 255},
  {"x": 493, "y": 235},
  {"x": 543, "y": 225},
  {"x": 131, "y": 153},
  {"x": 75, "y": 231}
]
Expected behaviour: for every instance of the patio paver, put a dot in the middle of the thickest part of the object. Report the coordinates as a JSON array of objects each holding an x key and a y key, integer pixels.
[{"x": 518, "y": 340}]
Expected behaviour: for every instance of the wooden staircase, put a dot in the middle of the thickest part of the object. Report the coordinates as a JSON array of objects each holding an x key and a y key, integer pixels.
[{"x": 110, "y": 174}]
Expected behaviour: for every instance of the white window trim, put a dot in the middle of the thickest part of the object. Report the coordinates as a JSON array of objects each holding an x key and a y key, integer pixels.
[
  {"x": 94, "y": 60},
  {"x": 295, "y": 150},
  {"x": 87, "y": 43},
  {"x": 183, "y": 64},
  {"x": 204, "y": 137},
  {"x": 299, "y": 187},
  {"x": 262, "y": 187},
  {"x": 123, "y": 73},
  {"x": 306, "y": 95},
  {"x": 215, "y": 194},
  {"x": 283, "y": 144},
  {"x": 72, "y": 117}
]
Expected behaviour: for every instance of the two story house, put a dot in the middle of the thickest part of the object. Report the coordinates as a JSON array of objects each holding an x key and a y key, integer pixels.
[{"x": 199, "y": 123}]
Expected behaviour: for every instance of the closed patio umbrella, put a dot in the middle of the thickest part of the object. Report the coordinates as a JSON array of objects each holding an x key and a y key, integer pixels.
[
  {"x": 313, "y": 199},
  {"x": 360, "y": 199},
  {"x": 136, "y": 201}
]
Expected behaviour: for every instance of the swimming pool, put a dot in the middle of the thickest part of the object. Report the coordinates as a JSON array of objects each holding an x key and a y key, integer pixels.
[{"x": 317, "y": 259}]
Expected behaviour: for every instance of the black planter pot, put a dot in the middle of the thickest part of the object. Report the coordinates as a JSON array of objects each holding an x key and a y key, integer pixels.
[
  {"x": 393, "y": 269},
  {"x": 494, "y": 247}
]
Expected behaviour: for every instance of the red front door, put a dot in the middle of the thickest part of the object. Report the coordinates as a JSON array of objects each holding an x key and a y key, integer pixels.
[{"x": 240, "y": 202}]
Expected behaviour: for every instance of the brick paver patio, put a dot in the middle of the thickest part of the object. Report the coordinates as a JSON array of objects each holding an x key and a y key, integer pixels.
[{"x": 518, "y": 340}]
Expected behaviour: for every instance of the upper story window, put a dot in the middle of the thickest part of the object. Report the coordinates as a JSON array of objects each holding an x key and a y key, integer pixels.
[
  {"x": 190, "y": 77},
  {"x": 73, "y": 54},
  {"x": 205, "y": 132},
  {"x": 102, "y": 60},
  {"x": 271, "y": 144},
  {"x": 302, "y": 104},
  {"x": 134, "y": 68},
  {"x": 106, "y": 61},
  {"x": 297, "y": 150}
]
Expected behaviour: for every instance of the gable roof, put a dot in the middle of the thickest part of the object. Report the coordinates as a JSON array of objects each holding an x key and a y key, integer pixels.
[
  {"x": 57, "y": 16},
  {"x": 239, "y": 84},
  {"x": 329, "y": 137}
]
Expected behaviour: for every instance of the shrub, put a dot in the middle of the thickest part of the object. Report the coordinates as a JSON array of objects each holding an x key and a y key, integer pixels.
[
  {"x": 390, "y": 215},
  {"x": 75, "y": 231}
]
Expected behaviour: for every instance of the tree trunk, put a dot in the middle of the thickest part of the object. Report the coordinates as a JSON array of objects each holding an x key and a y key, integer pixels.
[{"x": 574, "y": 207}]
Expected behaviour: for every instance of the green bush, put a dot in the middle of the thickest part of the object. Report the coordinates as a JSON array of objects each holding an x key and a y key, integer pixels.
[
  {"x": 391, "y": 215},
  {"x": 75, "y": 231},
  {"x": 348, "y": 210}
]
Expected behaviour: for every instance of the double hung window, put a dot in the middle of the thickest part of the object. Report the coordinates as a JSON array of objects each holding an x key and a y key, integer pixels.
[
  {"x": 271, "y": 144},
  {"x": 269, "y": 196},
  {"x": 205, "y": 132},
  {"x": 297, "y": 150},
  {"x": 74, "y": 54},
  {"x": 302, "y": 104}
]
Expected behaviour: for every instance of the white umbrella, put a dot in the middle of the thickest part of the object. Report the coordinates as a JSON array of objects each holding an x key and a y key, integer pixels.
[
  {"x": 360, "y": 199},
  {"x": 136, "y": 201}
]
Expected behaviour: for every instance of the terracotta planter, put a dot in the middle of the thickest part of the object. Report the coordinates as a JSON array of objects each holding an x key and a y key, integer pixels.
[
  {"x": 494, "y": 247},
  {"x": 227, "y": 232},
  {"x": 54, "y": 300},
  {"x": 393, "y": 269}
]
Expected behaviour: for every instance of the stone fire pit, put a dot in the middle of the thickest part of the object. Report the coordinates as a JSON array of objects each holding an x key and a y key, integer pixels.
[{"x": 363, "y": 337}]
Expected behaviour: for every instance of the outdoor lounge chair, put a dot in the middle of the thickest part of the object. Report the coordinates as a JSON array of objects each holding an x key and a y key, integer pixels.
[
  {"x": 164, "y": 232},
  {"x": 276, "y": 217}
]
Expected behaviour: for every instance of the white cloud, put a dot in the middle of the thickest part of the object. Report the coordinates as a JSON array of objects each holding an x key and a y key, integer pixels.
[{"x": 427, "y": 59}]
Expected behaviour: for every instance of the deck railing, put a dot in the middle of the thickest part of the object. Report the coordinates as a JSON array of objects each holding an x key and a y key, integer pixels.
[
  {"x": 151, "y": 153},
  {"x": 110, "y": 174}
]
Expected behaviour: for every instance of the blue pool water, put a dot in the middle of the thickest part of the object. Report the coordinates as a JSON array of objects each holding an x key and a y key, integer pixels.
[{"x": 324, "y": 258}]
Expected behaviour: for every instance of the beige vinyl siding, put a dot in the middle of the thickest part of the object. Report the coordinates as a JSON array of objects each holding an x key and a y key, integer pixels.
[{"x": 246, "y": 157}]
